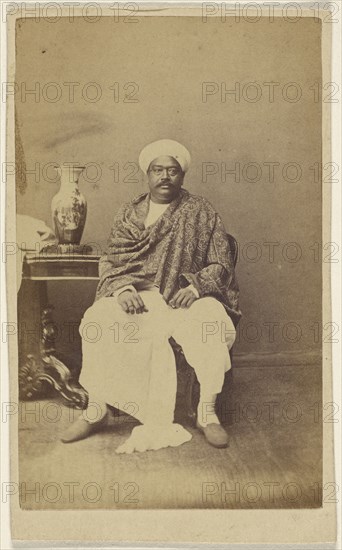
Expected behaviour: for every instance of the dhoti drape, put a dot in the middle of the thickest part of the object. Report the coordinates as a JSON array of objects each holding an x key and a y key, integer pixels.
[{"x": 128, "y": 361}]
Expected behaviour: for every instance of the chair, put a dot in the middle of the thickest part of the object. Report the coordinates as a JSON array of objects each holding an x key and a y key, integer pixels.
[{"x": 183, "y": 367}]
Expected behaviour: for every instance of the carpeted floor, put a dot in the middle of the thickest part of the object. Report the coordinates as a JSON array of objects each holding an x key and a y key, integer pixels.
[{"x": 274, "y": 459}]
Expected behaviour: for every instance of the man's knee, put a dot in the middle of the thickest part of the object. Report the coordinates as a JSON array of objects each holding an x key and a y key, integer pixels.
[
  {"x": 216, "y": 325},
  {"x": 228, "y": 331},
  {"x": 208, "y": 307},
  {"x": 221, "y": 331}
]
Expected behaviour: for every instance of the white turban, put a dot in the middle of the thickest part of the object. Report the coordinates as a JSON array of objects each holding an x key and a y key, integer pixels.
[{"x": 164, "y": 148}]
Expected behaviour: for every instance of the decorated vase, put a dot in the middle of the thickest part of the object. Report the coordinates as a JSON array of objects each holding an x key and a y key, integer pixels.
[{"x": 69, "y": 206}]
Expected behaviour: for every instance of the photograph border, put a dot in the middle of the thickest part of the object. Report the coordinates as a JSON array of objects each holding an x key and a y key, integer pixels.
[{"x": 310, "y": 526}]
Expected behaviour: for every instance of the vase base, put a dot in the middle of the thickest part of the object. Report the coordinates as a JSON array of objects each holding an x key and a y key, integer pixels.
[{"x": 82, "y": 249}]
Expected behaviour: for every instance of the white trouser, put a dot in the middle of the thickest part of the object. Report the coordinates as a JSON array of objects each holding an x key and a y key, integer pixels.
[{"x": 128, "y": 361}]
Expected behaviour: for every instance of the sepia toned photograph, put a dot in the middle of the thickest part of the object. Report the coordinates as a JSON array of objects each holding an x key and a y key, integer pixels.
[{"x": 170, "y": 250}]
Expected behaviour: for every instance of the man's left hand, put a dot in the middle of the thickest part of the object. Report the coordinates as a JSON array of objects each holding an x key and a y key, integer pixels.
[{"x": 184, "y": 298}]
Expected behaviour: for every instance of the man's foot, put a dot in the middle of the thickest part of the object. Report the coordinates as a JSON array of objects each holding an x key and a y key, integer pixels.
[
  {"x": 81, "y": 429},
  {"x": 215, "y": 434}
]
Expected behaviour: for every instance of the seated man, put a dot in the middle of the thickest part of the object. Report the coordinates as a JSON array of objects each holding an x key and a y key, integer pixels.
[{"x": 168, "y": 272}]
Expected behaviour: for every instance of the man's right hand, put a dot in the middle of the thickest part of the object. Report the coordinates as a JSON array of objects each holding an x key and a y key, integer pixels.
[{"x": 131, "y": 302}]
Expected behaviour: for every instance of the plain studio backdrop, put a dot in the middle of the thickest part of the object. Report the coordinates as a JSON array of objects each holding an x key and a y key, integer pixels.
[{"x": 105, "y": 89}]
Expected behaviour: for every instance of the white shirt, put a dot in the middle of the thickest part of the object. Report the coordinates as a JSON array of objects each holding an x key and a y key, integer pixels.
[{"x": 154, "y": 212}]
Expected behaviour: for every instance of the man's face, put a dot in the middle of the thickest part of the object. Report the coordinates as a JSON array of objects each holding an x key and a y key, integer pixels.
[{"x": 165, "y": 178}]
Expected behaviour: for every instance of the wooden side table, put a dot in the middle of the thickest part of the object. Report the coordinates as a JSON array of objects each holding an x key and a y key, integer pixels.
[{"x": 38, "y": 363}]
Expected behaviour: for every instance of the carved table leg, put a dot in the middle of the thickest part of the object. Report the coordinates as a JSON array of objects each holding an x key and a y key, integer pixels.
[{"x": 37, "y": 360}]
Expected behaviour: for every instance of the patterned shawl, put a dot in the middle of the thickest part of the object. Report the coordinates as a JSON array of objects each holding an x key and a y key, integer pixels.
[{"x": 188, "y": 244}]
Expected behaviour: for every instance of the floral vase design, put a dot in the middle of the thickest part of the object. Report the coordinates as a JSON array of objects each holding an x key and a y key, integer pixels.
[{"x": 69, "y": 206}]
